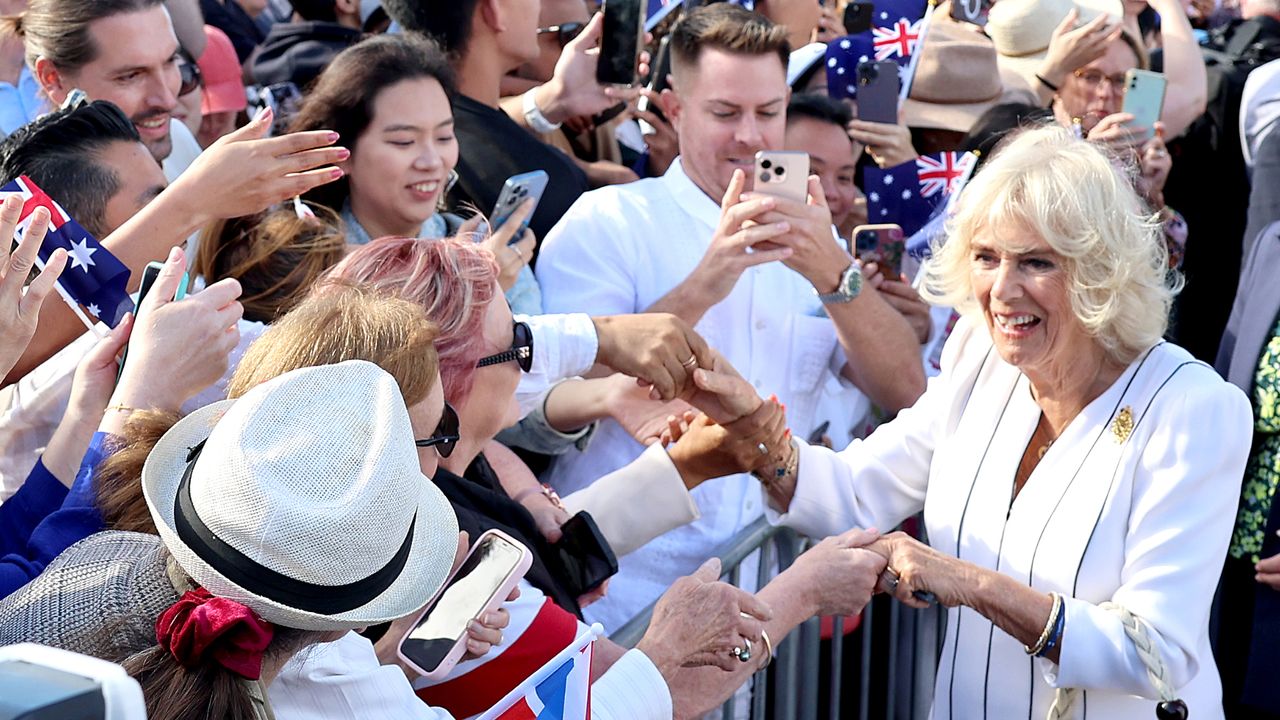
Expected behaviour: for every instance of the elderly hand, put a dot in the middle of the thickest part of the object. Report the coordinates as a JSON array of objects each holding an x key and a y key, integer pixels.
[
  {"x": 20, "y": 309},
  {"x": 573, "y": 89},
  {"x": 888, "y": 145},
  {"x": 838, "y": 575},
  {"x": 1071, "y": 47},
  {"x": 1154, "y": 164},
  {"x": 245, "y": 172},
  {"x": 706, "y": 450},
  {"x": 484, "y": 632},
  {"x": 719, "y": 391},
  {"x": 511, "y": 257},
  {"x": 178, "y": 348},
  {"x": 815, "y": 254},
  {"x": 904, "y": 298},
  {"x": 919, "y": 567},
  {"x": 657, "y": 349},
  {"x": 698, "y": 621}
]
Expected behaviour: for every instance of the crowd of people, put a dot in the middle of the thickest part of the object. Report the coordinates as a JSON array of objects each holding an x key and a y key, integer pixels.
[{"x": 347, "y": 367}]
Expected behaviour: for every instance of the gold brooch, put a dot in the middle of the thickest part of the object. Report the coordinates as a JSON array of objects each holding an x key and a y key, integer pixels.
[{"x": 1122, "y": 426}]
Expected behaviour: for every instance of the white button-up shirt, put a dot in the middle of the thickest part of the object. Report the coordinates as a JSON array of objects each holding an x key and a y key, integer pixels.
[{"x": 620, "y": 249}]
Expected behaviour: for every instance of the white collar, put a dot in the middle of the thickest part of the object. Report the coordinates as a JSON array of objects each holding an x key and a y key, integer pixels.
[{"x": 691, "y": 198}]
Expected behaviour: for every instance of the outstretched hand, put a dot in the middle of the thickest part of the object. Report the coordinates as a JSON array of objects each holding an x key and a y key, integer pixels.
[{"x": 19, "y": 308}]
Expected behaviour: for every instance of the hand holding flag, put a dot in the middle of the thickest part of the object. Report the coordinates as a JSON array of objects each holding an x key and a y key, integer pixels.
[{"x": 20, "y": 309}]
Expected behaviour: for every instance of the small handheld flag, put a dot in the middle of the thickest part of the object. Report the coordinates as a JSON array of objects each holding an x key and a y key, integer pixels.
[
  {"x": 908, "y": 194},
  {"x": 560, "y": 690},
  {"x": 93, "y": 277}
]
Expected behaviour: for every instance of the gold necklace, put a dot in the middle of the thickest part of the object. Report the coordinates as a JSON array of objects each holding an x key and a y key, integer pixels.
[{"x": 1043, "y": 449}]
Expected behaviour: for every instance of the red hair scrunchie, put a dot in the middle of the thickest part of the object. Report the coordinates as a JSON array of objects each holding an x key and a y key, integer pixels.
[{"x": 200, "y": 624}]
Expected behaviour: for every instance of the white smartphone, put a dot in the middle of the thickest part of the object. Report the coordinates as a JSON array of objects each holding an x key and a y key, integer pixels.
[
  {"x": 783, "y": 174},
  {"x": 1144, "y": 98},
  {"x": 486, "y": 577}
]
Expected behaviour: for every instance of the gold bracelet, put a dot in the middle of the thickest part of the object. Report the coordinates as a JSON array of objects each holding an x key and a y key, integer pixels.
[
  {"x": 788, "y": 469},
  {"x": 1048, "y": 626},
  {"x": 768, "y": 650}
]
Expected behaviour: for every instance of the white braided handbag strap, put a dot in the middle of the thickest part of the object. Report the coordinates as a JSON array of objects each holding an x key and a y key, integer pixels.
[{"x": 1064, "y": 700}]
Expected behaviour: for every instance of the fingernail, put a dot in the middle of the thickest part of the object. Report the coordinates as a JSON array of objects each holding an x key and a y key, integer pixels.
[
  {"x": 333, "y": 136},
  {"x": 264, "y": 112},
  {"x": 783, "y": 227},
  {"x": 174, "y": 253},
  {"x": 343, "y": 153},
  {"x": 336, "y": 173}
]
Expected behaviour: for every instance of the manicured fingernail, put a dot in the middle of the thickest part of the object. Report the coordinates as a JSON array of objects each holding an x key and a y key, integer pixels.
[
  {"x": 264, "y": 112},
  {"x": 333, "y": 136},
  {"x": 174, "y": 253},
  {"x": 336, "y": 173},
  {"x": 343, "y": 153}
]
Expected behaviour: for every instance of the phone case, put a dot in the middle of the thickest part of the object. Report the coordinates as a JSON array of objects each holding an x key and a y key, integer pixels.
[
  {"x": 878, "y": 86},
  {"x": 782, "y": 174},
  {"x": 495, "y": 601},
  {"x": 1144, "y": 97},
  {"x": 882, "y": 244},
  {"x": 971, "y": 11},
  {"x": 585, "y": 553},
  {"x": 620, "y": 42},
  {"x": 516, "y": 190}
]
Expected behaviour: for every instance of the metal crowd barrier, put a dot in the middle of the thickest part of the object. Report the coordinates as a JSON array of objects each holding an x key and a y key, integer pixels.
[{"x": 883, "y": 669}]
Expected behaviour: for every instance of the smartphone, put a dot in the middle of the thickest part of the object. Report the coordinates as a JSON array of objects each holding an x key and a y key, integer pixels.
[
  {"x": 971, "y": 11},
  {"x": 858, "y": 16},
  {"x": 783, "y": 174},
  {"x": 585, "y": 554},
  {"x": 658, "y": 77},
  {"x": 620, "y": 41},
  {"x": 881, "y": 244},
  {"x": 1144, "y": 98},
  {"x": 516, "y": 190},
  {"x": 878, "y": 86},
  {"x": 486, "y": 577},
  {"x": 149, "y": 275}
]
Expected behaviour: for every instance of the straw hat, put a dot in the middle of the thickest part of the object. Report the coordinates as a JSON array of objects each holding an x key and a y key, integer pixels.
[
  {"x": 957, "y": 79},
  {"x": 303, "y": 500},
  {"x": 1021, "y": 29}
]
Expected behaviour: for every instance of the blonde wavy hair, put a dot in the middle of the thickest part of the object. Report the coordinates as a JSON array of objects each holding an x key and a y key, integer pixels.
[{"x": 1072, "y": 194}]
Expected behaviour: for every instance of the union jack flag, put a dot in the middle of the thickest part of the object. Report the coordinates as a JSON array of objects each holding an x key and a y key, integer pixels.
[
  {"x": 941, "y": 174},
  {"x": 899, "y": 39}
]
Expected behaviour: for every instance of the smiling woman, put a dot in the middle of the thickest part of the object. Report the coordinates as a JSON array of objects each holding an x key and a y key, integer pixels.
[
  {"x": 389, "y": 98},
  {"x": 1075, "y": 509}
]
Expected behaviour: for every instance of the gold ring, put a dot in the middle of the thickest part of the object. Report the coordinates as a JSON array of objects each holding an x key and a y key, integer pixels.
[{"x": 691, "y": 363}]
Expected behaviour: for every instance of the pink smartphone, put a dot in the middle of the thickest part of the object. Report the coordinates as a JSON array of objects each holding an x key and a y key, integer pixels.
[
  {"x": 486, "y": 577},
  {"x": 882, "y": 244}
]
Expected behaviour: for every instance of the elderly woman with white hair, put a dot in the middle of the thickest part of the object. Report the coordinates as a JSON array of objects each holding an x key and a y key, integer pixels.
[{"x": 1075, "y": 472}]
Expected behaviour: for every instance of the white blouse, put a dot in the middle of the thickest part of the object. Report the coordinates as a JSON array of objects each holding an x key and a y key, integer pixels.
[{"x": 1140, "y": 518}]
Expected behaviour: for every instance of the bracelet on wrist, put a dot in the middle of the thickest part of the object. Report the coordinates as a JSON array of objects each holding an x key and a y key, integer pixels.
[
  {"x": 1046, "y": 83},
  {"x": 126, "y": 409},
  {"x": 1039, "y": 648},
  {"x": 544, "y": 490}
]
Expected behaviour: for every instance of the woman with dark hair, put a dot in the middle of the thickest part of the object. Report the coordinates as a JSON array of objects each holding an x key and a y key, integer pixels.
[{"x": 390, "y": 97}]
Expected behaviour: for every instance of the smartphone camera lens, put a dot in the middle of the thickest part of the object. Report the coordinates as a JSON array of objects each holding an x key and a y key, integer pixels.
[
  {"x": 764, "y": 177},
  {"x": 766, "y": 164},
  {"x": 779, "y": 171}
]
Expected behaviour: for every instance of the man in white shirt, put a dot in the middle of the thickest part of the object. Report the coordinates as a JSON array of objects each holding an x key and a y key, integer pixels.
[{"x": 763, "y": 279}]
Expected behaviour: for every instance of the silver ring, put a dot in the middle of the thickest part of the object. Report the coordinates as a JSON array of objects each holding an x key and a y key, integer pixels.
[
  {"x": 764, "y": 449},
  {"x": 691, "y": 363},
  {"x": 743, "y": 653},
  {"x": 890, "y": 578},
  {"x": 1159, "y": 152}
]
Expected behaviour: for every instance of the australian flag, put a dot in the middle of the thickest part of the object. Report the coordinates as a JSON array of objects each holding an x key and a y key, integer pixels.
[
  {"x": 911, "y": 194},
  {"x": 895, "y": 32},
  {"x": 93, "y": 276}
]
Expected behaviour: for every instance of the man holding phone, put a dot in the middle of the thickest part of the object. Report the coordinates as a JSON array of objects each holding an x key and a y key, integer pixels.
[{"x": 748, "y": 269}]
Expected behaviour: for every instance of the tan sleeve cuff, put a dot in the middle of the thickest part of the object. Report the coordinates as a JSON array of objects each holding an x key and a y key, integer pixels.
[{"x": 637, "y": 503}]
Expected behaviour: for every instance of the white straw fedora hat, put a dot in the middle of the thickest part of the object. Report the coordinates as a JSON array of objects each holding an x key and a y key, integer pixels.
[
  {"x": 303, "y": 500},
  {"x": 1021, "y": 29}
]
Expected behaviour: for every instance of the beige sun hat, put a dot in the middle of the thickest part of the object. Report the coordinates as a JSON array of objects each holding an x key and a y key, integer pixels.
[
  {"x": 304, "y": 501},
  {"x": 1021, "y": 29},
  {"x": 957, "y": 79}
]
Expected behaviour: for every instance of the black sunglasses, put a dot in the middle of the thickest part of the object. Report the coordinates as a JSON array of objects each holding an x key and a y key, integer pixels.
[
  {"x": 521, "y": 350},
  {"x": 446, "y": 435},
  {"x": 565, "y": 32},
  {"x": 191, "y": 79}
]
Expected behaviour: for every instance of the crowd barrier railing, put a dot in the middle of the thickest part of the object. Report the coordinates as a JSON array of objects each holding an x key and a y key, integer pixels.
[{"x": 882, "y": 669}]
